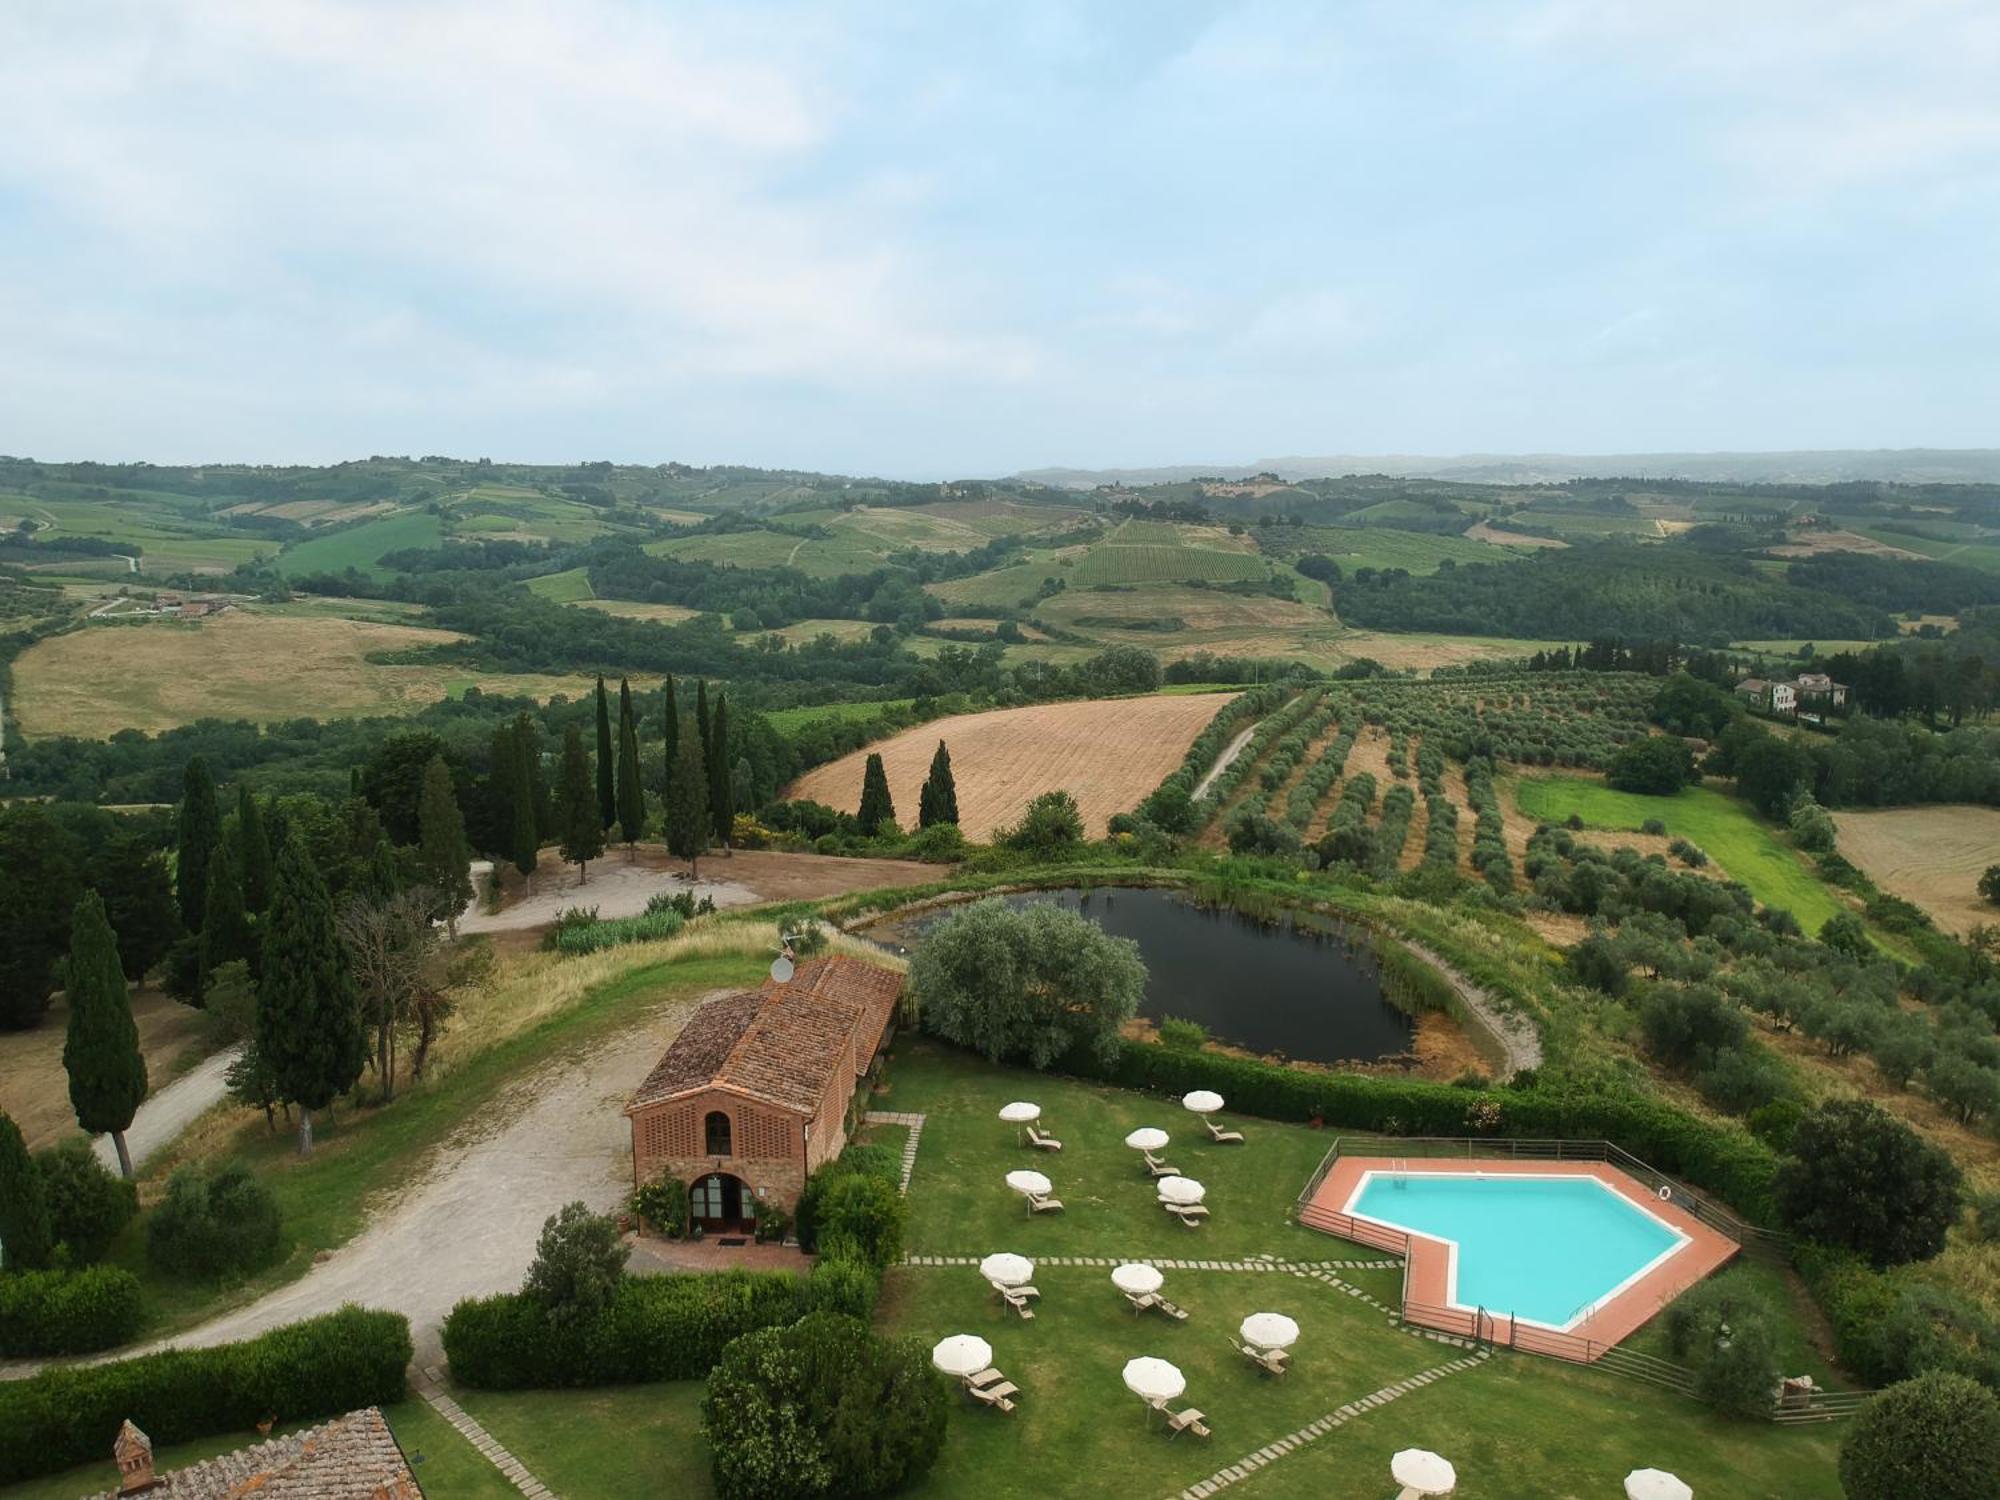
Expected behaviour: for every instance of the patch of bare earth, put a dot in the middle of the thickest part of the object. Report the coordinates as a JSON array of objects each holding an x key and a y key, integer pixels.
[
  {"x": 1930, "y": 855},
  {"x": 1808, "y": 543},
  {"x": 1483, "y": 532},
  {"x": 1107, "y": 753},
  {"x": 34, "y": 1089}
]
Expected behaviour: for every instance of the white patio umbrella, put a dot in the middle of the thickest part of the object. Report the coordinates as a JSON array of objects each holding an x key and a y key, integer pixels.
[
  {"x": 1147, "y": 1138},
  {"x": 1153, "y": 1379},
  {"x": 1181, "y": 1190},
  {"x": 1020, "y": 1112},
  {"x": 1655, "y": 1484},
  {"x": 1269, "y": 1331},
  {"x": 962, "y": 1354},
  {"x": 1033, "y": 1184},
  {"x": 1422, "y": 1473},
  {"x": 1007, "y": 1269},
  {"x": 1202, "y": 1101},
  {"x": 1136, "y": 1278}
]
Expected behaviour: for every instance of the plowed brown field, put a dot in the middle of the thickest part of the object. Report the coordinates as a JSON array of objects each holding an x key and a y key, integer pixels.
[
  {"x": 1107, "y": 753},
  {"x": 1930, "y": 855}
]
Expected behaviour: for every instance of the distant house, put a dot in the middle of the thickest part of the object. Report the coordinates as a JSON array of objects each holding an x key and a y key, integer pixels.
[
  {"x": 1817, "y": 687},
  {"x": 754, "y": 1092},
  {"x": 355, "y": 1457},
  {"x": 1771, "y": 697}
]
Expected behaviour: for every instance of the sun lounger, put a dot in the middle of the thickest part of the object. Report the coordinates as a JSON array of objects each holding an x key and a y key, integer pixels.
[
  {"x": 1158, "y": 1168},
  {"x": 1016, "y": 1291},
  {"x": 994, "y": 1395},
  {"x": 986, "y": 1377},
  {"x": 1153, "y": 1301},
  {"x": 1220, "y": 1136},
  {"x": 1190, "y": 1214},
  {"x": 1179, "y": 1314},
  {"x": 1019, "y": 1304},
  {"x": 1044, "y": 1205},
  {"x": 1186, "y": 1420},
  {"x": 1270, "y": 1361},
  {"x": 1043, "y": 1142}
]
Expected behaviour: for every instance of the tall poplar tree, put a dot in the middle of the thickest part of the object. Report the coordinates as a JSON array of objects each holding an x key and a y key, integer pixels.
[
  {"x": 441, "y": 850},
  {"x": 938, "y": 802},
  {"x": 688, "y": 817},
  {"x": 582, "y": 833},
  {"x": 225, "y": 925},
  {"x": 607, "y": 786},
  {"x": 524, "y": 840},
  {"x": 631, "y": 793},
  {"x": 877, "y": 810},
  {"x": 309, "y": 1030},
  {"x": 198, "y": 832},
  {"x": 253, "y": 850},
  {"x": 670, "y": 734},
  {"x": 26, "y": 1236},
  {"x": 721, "y": 795},
  {"x": 107, "y": 1076}
]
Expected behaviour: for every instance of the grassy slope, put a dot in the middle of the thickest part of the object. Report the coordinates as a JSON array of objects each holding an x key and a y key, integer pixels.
[
  {"x": 362, "y": 546},
  {"x": 1722, "y": 825},
  {"x": 569, "y": 587}
]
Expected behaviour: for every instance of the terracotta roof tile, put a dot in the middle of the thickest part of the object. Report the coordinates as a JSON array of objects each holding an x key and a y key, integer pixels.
[
  {"x": 353, "y": 1457},
  {"x": 704, "y": 1044}
]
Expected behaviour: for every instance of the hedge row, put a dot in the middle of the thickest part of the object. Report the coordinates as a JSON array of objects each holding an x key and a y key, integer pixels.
[
  {"x": 1221, "y": 729},
  {"x": 69, "y": 1416},
  {"x": 1305, "y": 798},
  {"x": 1723, "y": 1159},
  {"x": 1398, "y": 803},
  {"x": 1268, "y": 733},
  {"x": 1441, "y": 832},
  {"x": 672, "y": 1327},
  {"x": 68, "y": 1312}
]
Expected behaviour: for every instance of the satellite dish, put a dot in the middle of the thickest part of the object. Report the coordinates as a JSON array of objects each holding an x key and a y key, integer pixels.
[{"x": 781, "y": 969}]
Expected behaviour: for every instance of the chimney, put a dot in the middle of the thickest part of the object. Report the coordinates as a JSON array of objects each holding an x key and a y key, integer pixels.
[{"x": 134, "y": 1452}]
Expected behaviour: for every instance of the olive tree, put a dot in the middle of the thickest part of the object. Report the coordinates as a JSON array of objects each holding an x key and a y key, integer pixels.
[
  {"x": 1026, "y": 983},
  {"x": 1937, "y": 1436}
]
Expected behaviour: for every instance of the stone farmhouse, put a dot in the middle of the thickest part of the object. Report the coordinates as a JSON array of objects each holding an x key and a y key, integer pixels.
[
  {"x": 757, "y": 1089},
  {"x": 1772, "y": 697},
  {"x": 354, "y": 1457}
]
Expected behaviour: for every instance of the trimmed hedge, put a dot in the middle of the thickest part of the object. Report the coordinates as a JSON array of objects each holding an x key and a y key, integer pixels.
[
  {"x": 69, "y": 1416},
  {"x": 68, "y": 1312},
  {"x": 1724, "y": 1159},
  {"x": 672, "y": 1327}
]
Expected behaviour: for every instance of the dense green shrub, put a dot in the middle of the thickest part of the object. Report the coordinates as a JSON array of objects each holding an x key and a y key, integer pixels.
[
  {"x": 1658, "y": 766},
  {"x": 68, "y": 1312},
  {"x": 663, "y": 1204},
  {"x": 69, "y": 1415},
  {"x": 823, "y": 1408},
  {"x": 1050, "y": 827},
  {"x": 88, "y": 1203},
  {"x": 1179, "y": 1032},
  {"x": 211, "y": 1226},
  {"x": 861, "y": 1216},
  {"x": 1723, "y": 1330},
  {"x": 577, "y": 932},
  {"x": 579, "y": 1259},
  {"x": 1859, "y": 1179},
  {"x": 671, "y": 1327},
  {"x": 878, "y": 1162},
  {"x": 1937, "y": 1436}
]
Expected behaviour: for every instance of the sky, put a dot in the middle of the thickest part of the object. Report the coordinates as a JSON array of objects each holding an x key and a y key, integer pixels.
[{"x": 965, "y": 238}]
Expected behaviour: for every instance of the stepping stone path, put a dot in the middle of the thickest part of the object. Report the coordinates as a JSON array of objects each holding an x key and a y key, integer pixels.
[
  {"x": 915, "y": 1125},
  {"x": 430, "y": 1387}
]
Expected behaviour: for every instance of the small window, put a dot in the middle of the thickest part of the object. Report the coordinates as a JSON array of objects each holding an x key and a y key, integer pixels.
[{"x": 716, "y": 1129}]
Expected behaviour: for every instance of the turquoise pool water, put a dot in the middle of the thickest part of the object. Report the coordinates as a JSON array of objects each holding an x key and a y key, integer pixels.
[{"x": 1539, "y": 1248}]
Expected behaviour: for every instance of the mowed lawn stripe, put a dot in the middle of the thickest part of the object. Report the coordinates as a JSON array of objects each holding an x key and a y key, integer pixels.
[{"x": 1722, "y": 826}]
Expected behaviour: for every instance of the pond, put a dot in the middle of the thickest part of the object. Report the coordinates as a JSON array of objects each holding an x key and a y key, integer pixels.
[{"x": 1289, "y": 988}]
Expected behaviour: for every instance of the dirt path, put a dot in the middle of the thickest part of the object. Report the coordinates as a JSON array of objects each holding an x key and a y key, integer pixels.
[
  {"x": 1222, "y": 762},
  {"x": 171, "y": 1110},
  {"x": 467, "y": 1225},
  {"x": 34, "y": 1089}
]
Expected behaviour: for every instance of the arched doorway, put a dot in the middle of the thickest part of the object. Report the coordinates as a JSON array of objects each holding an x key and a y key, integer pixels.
[{"x": 722, "y": 1204}]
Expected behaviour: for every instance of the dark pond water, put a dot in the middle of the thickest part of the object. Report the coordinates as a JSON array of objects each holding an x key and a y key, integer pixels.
[{"x": 1284, "y": 989}]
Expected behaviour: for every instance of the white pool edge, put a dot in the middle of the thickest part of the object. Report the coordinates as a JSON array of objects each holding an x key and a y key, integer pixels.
[{"x": 1681, "y": 1239}]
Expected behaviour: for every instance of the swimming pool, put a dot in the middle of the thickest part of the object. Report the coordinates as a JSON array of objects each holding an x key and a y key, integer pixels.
[{"x": 1545, "y": 1249}]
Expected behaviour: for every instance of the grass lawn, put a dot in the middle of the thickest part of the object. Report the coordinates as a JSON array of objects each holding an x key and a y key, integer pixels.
[
  {"x": 1724, "y": 826},
  {"x": 569, "y": 587},
  {"x": 961, "y": 1205},
  {"x": 446, "y": 1465},
  {"x": 612, "y": 1442},
  {"x": 355, "y": 1156}
]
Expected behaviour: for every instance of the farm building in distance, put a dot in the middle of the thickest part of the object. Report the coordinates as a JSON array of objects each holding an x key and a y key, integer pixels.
[
  {"x": 754, "y": 1092},
  {"x": 1807, "y": 689}
]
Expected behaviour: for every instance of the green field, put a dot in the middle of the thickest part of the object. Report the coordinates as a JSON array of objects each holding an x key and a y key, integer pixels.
[
  {"x": 1984, "y": 555},
  {"x": 788, "y": 720},
  {"x": 1584, "y": 523},
  {"x": 171, "y": 535},
  {"x": 1379, "y": 547},
  {"x": 1110, "y": 562},
  {"x": 818, "y": 557},
  {"x": 362, "y": 546},
  {"x": 1723, "y": 826},
  {"x": 506, "y": 510},
  {"x": 572, "y": 586},
  {"x": 1003, "y": 588}
]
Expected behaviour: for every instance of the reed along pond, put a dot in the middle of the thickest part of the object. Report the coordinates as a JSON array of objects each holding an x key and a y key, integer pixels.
[{"x": 1291, "y": 987}]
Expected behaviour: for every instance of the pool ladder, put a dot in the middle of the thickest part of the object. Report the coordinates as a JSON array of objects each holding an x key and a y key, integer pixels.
[{"x": 1399, "y": 1170}]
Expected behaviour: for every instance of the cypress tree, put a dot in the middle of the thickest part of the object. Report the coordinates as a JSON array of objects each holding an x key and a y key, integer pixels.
[
  {"x": 607, "y": 786},
  {"x": 721, "y": 800},
  {"x": 253, "y": 850},
  {"x": 25, "y": 1234},
  {"x": 441, "y": 848},
  {"x": 38, "y": 891},
  {"x": 670, "y": 734},
  {"x": 309, "y": 1030},
  {"x": 703, "y": 730},
  {"x": 139, "y": 900},
  {"x": 582, "y": 833},
  {"x": 877, "y": 810},
  {"x": 225, "y": 925},
  {"x": 631, "y": 794},
  {"x": 107, "y": 1076},
  {"x": 497, "y": 831},
  {"x": 938, "y": 802},
  {"x": 688, "y": 816},
  {"x": 199, "y": 831},
  {"x": 524, "y": 839}
]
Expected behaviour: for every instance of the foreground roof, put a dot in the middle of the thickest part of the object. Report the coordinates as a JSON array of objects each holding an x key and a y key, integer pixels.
[
  {"x": 353, "y": 1457},
  {"x": 780, "y": 1044}
]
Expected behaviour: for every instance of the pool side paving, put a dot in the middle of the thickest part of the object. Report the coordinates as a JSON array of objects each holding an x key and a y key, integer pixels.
[{"x": 1429, "y": 1275}]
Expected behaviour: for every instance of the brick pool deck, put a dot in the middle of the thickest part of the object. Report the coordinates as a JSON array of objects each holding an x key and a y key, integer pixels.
[{"x": 1428, "y": 1278}]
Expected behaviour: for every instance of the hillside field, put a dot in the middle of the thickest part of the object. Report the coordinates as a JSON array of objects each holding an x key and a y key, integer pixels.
[
  {"x": 242, "y": 665},
  {"x": 1107, "y": 753},
  {"x": 1930, "y": 855},
  {"x": 362, "y": 546}
]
